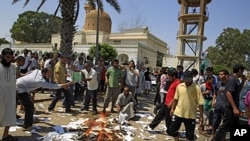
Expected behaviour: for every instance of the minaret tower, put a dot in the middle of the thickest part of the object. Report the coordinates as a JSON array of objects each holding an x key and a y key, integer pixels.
[{"x": 192, "y": 18}]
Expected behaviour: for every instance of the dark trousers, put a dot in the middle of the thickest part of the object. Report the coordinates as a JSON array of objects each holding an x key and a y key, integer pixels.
[
  {"x": 102, "y": 86},
  {"x": 133, "y": 91},
  {"x": 157, "y": 99},
  {"x": 91, "y": 94},
  {"x": 78, "y": 93},
  {"x": 28, "y": 107},
  {"x": 164, "y": 113},
  {"x": 72, "y": 100},
  {"x": 159, "y": 105},
  {"x": 176, "y": 124},
  {"x": 227, "y": 122},
  {"x": 23, "y": 71},
  {"x": 58, "y": 96}
]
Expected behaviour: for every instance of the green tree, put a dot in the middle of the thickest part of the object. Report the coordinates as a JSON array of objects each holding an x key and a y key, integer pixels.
[
  {"x": 3, "y": 41},
  {"x": 69, "y": 12},
  {"x": 106, "y": 52},
  {"x": 34, "y": 27},
  {"x": 232, "y": 47}
]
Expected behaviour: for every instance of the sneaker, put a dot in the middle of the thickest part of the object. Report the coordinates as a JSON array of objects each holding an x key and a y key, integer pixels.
[
  {"x": 147, "y": 128},
  {"x": 49, "y": 111},
  {"x": 27, "y": 127}
]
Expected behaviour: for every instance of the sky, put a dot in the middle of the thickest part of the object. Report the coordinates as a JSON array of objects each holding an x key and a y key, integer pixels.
[{"x": 160, "y": 16}]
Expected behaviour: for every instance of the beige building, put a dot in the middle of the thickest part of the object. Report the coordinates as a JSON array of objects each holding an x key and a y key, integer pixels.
[{"x": 133, "y": 44}]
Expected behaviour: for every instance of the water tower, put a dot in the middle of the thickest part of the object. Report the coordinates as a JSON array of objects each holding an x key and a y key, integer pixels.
[{"x": 192, "y": 18}]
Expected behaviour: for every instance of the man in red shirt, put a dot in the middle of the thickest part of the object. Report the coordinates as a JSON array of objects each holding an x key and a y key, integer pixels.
[
  {"x": 173, "y": 76},
  {"x": 164, "y": 112}
]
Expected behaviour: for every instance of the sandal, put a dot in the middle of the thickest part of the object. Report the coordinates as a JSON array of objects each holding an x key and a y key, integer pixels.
[{"x": 10, "y": 138}]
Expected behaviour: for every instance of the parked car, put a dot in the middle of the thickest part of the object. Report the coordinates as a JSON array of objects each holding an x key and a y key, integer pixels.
[{"x": 243, "y": 93}]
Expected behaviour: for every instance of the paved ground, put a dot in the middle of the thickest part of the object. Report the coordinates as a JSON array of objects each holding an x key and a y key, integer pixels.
[{"x": 44, "y": 122}]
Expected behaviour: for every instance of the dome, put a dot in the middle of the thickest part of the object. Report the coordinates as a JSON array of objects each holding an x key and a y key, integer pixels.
[{"x": 104, "y": 23}]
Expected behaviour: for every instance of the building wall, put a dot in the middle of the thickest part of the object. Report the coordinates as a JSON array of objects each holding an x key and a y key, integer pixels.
[{"x": 138, "y": 44}]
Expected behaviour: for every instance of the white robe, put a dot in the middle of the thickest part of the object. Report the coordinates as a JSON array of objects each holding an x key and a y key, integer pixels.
[{"x": 7, "y": 96}]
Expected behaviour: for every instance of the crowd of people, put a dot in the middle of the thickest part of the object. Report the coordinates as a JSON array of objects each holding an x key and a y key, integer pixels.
[
  {"x": 179, "y": 94},
  {"x": 214, "y": 97}
]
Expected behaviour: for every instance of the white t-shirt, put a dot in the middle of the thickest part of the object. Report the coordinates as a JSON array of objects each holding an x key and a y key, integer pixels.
[
  {"x": 93, "y": 83},
  {"x": 198, "y": 80},
  {"x": 27, "y": 61},
  {"x": 46, "y": 63}
]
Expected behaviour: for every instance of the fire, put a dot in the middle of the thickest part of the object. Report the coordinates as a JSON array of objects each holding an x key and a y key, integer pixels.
[{"x": 101, "y": 130}]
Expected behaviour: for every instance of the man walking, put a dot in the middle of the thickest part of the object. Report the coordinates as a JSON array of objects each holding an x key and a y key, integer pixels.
[
  {"x": 187, "y": 98},
  {"x": 231, "y": 110},
  {"x": 60, "y": 78}
]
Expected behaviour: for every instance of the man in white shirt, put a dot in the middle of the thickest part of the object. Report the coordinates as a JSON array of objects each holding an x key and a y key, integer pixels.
[
  {"x": 90, "y": 76},
  {"x": 24, "y": 68},
  {"x": 30, "y": 82},
  {"x": 47, "y": 61},
  {"x": 197, "y": 78},
  {"x": 132, "y": 78},
  {"x": 33, "y": 62}
]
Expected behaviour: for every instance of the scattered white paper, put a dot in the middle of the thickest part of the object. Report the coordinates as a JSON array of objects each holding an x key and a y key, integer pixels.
[
  {"x": 50, "y": 136},
  {"x": 122, "y": 117},
  {"x": 41, "y": 106},
  {"x": 45, "y": 119},
  {"x": 142, "y": 122},
  {"x": 150, "y": 117},
  {"x": 14, "y": 128},
  {"x": 128, "y": 138},
  {"x": 168, "y": 138}
]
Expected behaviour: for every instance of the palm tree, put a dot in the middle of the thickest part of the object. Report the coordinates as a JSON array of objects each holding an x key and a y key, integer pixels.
[{"x": 69, "y": 12}]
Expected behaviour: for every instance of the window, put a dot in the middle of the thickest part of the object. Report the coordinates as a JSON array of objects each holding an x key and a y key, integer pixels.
[{"x": 117, "y": 42}]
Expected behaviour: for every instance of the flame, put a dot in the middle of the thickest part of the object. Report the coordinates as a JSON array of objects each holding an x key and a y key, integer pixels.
[{"x": 103, "y": 132}]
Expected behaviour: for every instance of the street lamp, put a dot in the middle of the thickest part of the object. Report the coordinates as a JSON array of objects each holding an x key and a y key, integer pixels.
[{"x": 97, "y": 32}]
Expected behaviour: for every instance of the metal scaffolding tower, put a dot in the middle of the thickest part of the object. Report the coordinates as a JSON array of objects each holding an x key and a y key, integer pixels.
[{"x": 192, "y": 18}]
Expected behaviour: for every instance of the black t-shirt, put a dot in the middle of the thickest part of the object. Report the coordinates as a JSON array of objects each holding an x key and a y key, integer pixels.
[
  {"x": 233, "y": 86},
  {"x": 147, "y": 76},
  {"x": 221, "y": 99}
]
